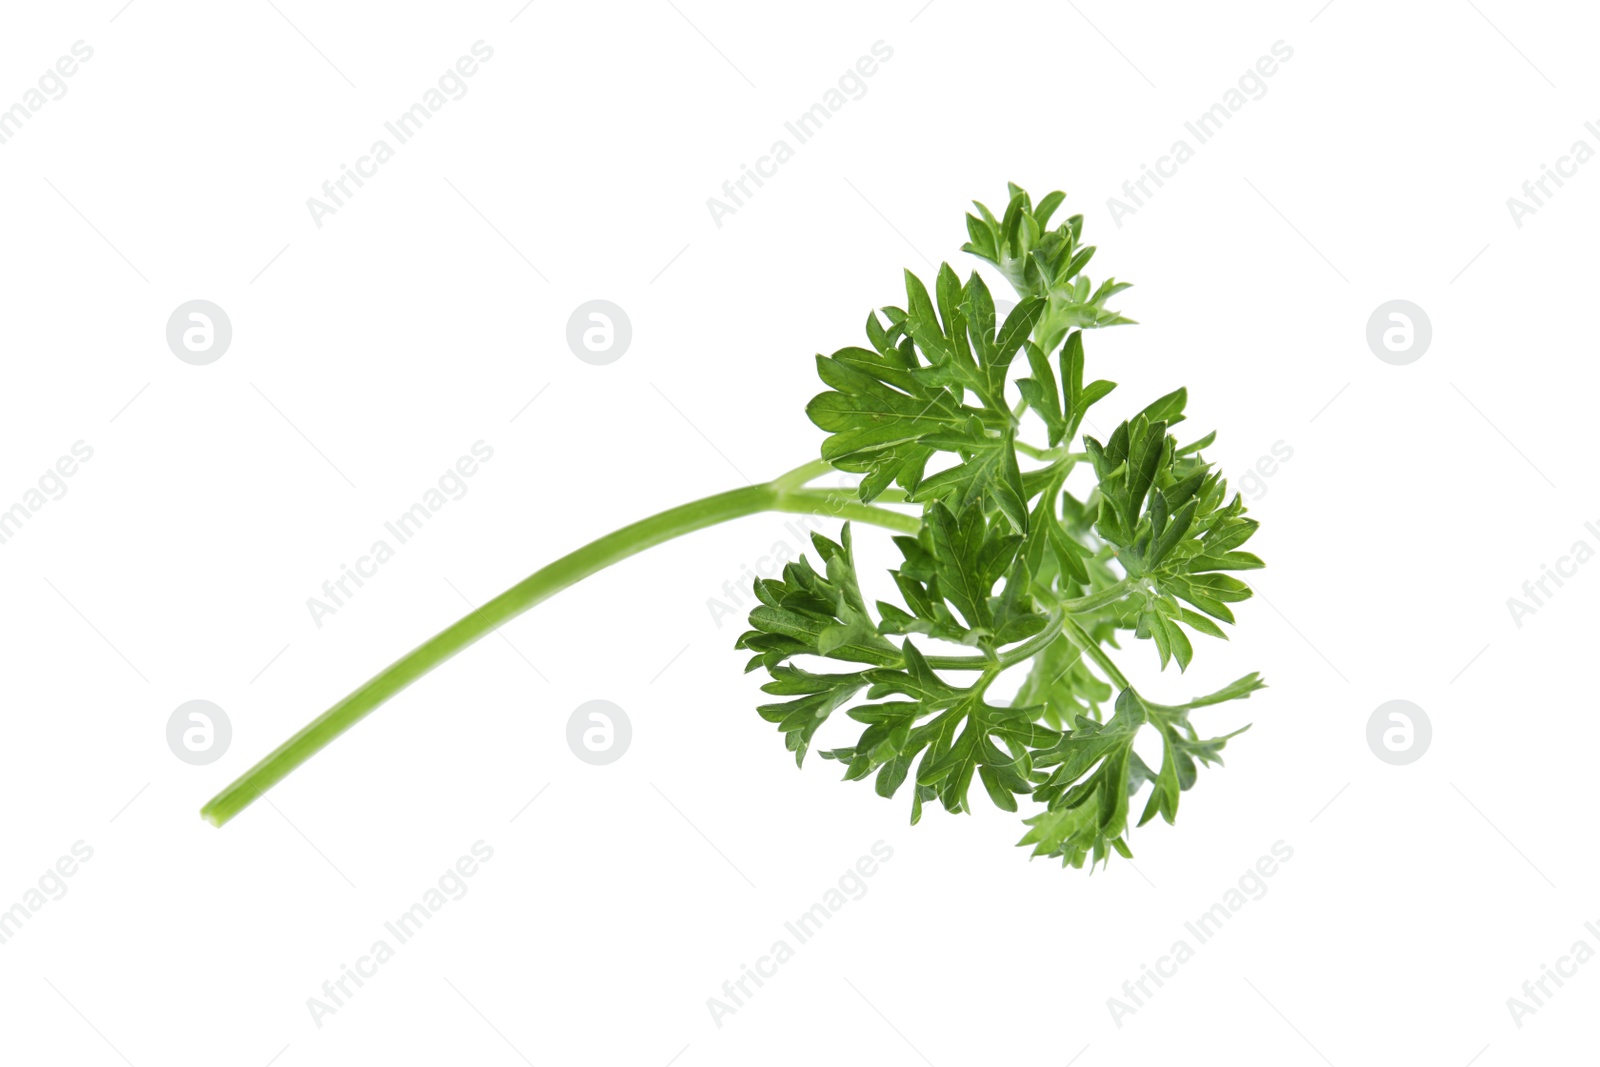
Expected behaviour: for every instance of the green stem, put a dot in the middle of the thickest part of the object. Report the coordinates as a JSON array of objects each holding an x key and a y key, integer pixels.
[
  {"x": 1085, "y": 605},
  {"x": 1060, "y": 618},
  {"x": 1020, "y": 654},
  {"x": 1058, "y": 453},
  {"x": 777, "y": 495},
  {"x": 806, "y": 472},
  {"x": 1092, "y": 649},
  {"x": 844, "y": 505}
]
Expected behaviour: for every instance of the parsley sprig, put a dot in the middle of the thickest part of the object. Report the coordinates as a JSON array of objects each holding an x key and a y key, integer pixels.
[
  {"x": 1002, "y": 569},
  {"x": 1007, "y": 561}
]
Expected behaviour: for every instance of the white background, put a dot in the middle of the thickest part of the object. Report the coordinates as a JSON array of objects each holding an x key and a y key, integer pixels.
[{"x": 370, "y": 353}]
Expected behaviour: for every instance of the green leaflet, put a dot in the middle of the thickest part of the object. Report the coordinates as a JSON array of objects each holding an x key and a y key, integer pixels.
[
  {"x": 962, "y": 735},
  {"x": 1166, "y": 513},
  {"x": 1061, "y": 681},
  {"x": 807, "y": 613},
  {"x": 1044, "y": 263},
  {"x": 978, "y": 421}
]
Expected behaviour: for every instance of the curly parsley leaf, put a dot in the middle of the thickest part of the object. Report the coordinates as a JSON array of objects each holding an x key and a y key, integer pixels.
[{"x": 1007, "y": 565}]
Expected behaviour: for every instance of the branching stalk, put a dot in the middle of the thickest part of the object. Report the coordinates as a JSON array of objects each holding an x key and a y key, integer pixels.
[
  {"x": 779, "y": 494},
  {"x": 1002, "y": 560}
]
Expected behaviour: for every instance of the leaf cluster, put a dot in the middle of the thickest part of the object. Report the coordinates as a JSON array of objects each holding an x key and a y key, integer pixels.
[{"x": 1009, "y": 569}]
